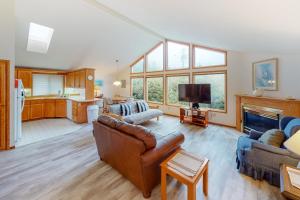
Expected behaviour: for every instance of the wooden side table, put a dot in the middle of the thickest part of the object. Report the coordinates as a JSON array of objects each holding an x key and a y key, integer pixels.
[
  {"x": 286, "y": 187},
  {"x": 196, "y": 116},
  {"x": 191, "y": 182}
]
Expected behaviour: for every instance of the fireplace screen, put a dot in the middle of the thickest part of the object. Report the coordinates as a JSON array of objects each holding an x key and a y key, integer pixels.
[{"x": 260, "y": 119}]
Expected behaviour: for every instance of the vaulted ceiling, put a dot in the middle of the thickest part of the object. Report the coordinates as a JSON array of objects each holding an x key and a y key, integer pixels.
[{"x": 96, "y": 32}]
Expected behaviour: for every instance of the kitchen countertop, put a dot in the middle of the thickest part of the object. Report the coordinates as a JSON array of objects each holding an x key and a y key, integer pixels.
[{"x": 77, "y": 99}]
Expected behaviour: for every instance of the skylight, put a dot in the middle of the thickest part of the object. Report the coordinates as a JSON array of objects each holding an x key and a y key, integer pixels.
[{"x": 39, "y": 38}]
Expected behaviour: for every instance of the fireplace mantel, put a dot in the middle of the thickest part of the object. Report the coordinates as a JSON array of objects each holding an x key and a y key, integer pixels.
[{"x": 288, "y": 107}]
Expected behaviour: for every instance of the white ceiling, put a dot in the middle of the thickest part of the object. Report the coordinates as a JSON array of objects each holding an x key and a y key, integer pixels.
[
  {"x": 84, "y": 35},
  {"x": 94, "y": 35},
  {"x": 242, "y": 25}
]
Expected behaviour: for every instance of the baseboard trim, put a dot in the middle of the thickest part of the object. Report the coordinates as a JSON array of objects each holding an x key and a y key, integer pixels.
[{"x": 220, "y": 124}]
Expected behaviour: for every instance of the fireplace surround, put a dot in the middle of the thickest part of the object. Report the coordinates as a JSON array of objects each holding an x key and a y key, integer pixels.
[{"x": 259, "y": 118}]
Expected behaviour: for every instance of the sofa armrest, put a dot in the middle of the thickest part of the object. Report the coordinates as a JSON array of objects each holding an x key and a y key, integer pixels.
[
  {"x": 163, "y": 148},
  {"x": 271, "y": 149},
  {"x": 245, "y": 142},
  {"x": 255, "y": 134}
]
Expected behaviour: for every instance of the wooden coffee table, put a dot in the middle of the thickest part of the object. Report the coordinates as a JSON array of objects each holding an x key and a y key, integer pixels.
[{"x": 191, "y": 182}]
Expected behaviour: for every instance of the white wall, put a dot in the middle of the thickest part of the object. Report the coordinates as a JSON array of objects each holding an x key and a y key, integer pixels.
[
  {"x": 7, "y": 48},
  {"x": 289, "y": 73},
  {"x": 107, "y": 89}
]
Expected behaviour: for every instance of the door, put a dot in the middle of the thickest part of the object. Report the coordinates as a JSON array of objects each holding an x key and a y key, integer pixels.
[
  {"x": 4, "y": 105},
  {"x": 49, "y": 108},
  {"x": 36, "y": 109},
  {"x": 26, "y": 113},
  {"x": 60, "y": 108},
  {"x": 70, "y": 80}
]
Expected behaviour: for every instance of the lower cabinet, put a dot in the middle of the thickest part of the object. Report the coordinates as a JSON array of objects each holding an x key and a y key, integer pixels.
[
  {"x": 49, "y": 108},
  {"x": 79, "y": 111},
  {"x": 36, "y": 109},
  {"x": 60, "y": 108},
  {"x": 44, "y": 108}
]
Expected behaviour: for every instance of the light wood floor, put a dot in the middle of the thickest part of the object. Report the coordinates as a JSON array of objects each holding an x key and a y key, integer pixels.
[{"x": 68, "y": 167}]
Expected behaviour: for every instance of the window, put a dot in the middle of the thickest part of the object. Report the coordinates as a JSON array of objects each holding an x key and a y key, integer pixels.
[
  {"x": 39, "y": 38},
  {"x": 204, "y": 57},
  {"x": 155, "y": 89},
  {"x": 172, "y": 89},
  {"x": 44, "y": 84},
  {"x": 155, "y": 59},
  {"x": 177, "y": 56},
  {"x": 138, "y": 67},
  {"x": 217, "y": 83},
  {"x": 137, "y": 88}
]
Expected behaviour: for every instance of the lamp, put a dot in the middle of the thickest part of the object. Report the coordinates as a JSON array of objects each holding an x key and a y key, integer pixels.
[
  {"x": 293, "y": 144},
  {"x": 117, "y": 82}
]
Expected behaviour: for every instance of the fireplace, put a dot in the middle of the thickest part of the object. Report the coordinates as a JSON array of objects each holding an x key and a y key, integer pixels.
[{"x": 260, "y": 118}]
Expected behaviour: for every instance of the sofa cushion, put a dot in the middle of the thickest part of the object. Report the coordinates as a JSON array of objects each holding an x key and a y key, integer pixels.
[
  {"x": 116, "y": 108},
  {"x": 272, "y": 137},
  {"x": 108, "y": 121},
  {"x": 139, "y": 132},
  {"x": 141, "y": 117},
  {"x": 126, "y": 109},
  {"x": 292, "y": 127},
  {"x": 142, "y": 106}
]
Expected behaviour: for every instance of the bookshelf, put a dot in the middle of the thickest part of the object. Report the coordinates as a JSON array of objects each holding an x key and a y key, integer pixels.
[{"x": 194, "y": 116}]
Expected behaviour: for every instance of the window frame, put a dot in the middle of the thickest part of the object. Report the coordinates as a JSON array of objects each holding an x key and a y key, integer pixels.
[
  {"x": 135, "y": 62},
  {"x": 131, "y": 89},
  {"x": 225, "y": 89},
  {"x": 167, "y": 57},
  {"x": 146, "y": 89},
  {"x": 194, "y": 46},
  {"x": 151, "y": 50},
  {"x": 166, "y": 87}
]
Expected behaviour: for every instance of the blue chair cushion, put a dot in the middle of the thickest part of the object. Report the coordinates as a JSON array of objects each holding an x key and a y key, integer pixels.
[{"x": 292, "y": 127}]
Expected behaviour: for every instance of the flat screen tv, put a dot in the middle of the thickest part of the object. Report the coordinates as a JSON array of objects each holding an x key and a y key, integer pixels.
[{"x": 195, "y": 93}]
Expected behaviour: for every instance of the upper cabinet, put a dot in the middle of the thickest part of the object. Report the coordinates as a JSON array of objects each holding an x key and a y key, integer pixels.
[
  {"x": 26, "y": 76},
  {"x": 82, "y": 78},
  {"x": 77, "y": 79},
  {"x": 70, "y": 80}
]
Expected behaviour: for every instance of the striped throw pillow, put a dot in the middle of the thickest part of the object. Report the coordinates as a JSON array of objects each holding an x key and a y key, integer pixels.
[
  {"x": 126, "y": 109},
  {"x": 142, "y": 106}
]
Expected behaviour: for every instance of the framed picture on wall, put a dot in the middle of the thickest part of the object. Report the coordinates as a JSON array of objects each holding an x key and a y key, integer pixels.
[{"x": 265, "y": 74}]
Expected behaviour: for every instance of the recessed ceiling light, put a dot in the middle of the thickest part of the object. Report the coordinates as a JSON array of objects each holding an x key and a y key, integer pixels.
[{"x": 39, "y": 38}]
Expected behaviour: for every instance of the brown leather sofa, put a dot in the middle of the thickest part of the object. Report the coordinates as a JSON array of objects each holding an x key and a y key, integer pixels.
[{"x": 134, "y": 151}]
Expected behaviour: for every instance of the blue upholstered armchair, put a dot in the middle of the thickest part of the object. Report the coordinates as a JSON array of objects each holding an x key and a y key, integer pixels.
[{"x": 262, "y": 161}]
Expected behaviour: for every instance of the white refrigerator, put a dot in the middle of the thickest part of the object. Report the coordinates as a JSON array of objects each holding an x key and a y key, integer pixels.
[{"x": 19, "y": 105}]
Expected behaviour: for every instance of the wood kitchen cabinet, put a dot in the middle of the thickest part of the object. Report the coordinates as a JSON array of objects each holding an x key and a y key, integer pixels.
[
  {"x": 77, "y": 79},
  {"x": 70, "y": 80},
  {"x": 79, "y": 111},
  {"x": 26, "y": 111},
  {"x": 60, "y": 108},
  {"x": 26, "y": 76},
  {"x": 36, "y": 109},
  {"x": 49, "y": 108},
  {"x": 82, "y": 78}
]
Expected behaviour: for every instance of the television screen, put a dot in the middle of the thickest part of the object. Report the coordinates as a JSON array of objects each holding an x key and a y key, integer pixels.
[{"x": 195, "y": 93}]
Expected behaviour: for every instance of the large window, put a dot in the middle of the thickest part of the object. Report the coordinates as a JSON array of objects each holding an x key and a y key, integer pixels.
[
  {"x": 155, "y": 59},
  {"x": 45, "y": 84},
  {"x": 172, "y": 89},
  {"x": 177, "y": 55},
  {"x": 137, "y": 88},
  {"x": 138, "y": 67},
  {"x": 155, "y": 89},
  {"x": 204, "y": 57},
  {"x": 217, "y": 81}
]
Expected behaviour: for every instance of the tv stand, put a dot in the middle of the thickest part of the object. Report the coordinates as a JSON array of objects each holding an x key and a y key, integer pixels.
[{"x": 194, "y": 116}]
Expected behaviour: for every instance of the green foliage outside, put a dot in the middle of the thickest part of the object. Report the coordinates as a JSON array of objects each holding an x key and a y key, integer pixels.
[
  {"x": 173, "y": 83},
  {"x": 217, "y": 82},
  {"x": 138, "y": 88},
  {"x": 155, "y": 89}
]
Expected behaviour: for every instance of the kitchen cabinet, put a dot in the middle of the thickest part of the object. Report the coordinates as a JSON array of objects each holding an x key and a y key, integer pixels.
[
  {"x": 79, "y": 111},
  {"x": 49, "y": 108},
  {"x": 82, "y": 79},
  {"x": 26, "y": 76},
  {"x": 36, "y": 109},
  {"x": 60, "y": 108},
  {"x": 3, "y": 126},
  {"x": 70, "y": 80},
  {"x": 77, "y": 79},
  {"x": 26, "y": 113}
]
